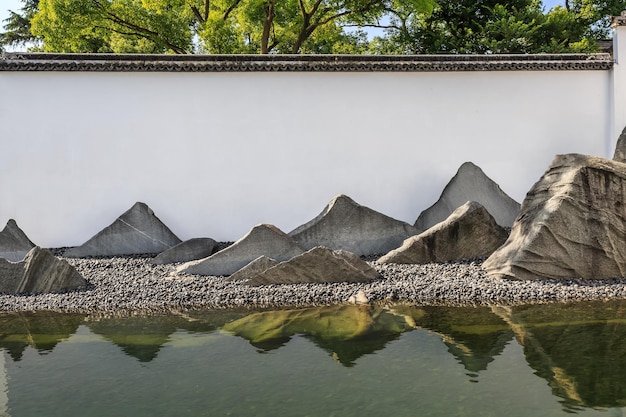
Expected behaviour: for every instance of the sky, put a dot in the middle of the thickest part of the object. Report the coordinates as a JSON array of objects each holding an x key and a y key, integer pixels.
[{"x": 15, "y": 5}]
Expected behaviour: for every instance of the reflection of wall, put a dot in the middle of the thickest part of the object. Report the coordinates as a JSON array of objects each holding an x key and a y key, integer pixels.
[
  {"x": 216, "y": 153},
  {"x": 578, "y": 348}
]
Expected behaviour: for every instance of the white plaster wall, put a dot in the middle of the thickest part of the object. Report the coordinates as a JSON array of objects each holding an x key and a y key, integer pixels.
[{"x": 216, "y": 153}]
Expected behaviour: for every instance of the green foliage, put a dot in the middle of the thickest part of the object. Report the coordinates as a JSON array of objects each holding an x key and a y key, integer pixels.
[{"x": 310, "y": 26}]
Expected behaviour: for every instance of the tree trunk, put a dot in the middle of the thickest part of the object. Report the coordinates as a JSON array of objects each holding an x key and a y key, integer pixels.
[{"x": 267, "y": 27}]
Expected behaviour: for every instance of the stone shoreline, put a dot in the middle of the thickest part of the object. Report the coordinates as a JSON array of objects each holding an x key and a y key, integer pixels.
[{"x": 132, "y": 283}]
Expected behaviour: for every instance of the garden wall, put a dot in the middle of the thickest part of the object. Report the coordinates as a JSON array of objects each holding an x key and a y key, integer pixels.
[{"x": 215, "y": 145}]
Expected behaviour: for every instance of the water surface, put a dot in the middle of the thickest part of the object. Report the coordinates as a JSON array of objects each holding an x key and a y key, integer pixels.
[{"x": 550, "y": 360}]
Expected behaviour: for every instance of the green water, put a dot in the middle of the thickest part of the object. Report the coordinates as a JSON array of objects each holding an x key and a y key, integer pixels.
[{"x": 551, "y": 360}]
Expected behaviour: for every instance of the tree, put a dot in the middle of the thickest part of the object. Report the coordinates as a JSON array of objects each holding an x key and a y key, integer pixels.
[
  {"x": 17, "y": 26},
  {"x": 213, "y": 26},
  {"x": 495, "y": 26}
]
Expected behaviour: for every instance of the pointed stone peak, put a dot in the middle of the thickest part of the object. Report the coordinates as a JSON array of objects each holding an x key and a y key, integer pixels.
[
  {"x": 470, "y": 183},
  {"x": 138, "y": 230},
  {"x": 13, "y": 231},
  {"x": 262, "y": 240},
  {"x": 14, "y": 244},
  {"x": 345, "y": 224}
]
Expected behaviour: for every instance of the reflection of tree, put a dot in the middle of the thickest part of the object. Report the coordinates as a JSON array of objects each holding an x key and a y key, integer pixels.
[
  {"x": 41, "y": 331},
  {"x": 579, "y": 349},
  {"x": 347, "y": 332},
  {"x": 474, "y": 335}
]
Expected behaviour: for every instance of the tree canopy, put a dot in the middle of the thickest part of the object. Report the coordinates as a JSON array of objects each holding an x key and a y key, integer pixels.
[{"x": 309, "y": 26}]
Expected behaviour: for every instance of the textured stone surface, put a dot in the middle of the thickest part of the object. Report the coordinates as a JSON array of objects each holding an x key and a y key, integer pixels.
[
  {"x": 470, "y": 184},
  {"x": 14, "y": 244},
  {"x": 469, "y": 232},
  {"x": 186, "y": 251},
  {"x": 260, "y": 264},
  {"x": 262, "y": 240},
  {"x": 39, "y": 272},
  {"x": 572, "y": 224},
  {"x": 136, "y": 231},
  {"x": 620, "y": 148},
  {"x": 344, "y": 224},
  {"x": 318, "y": 265}
]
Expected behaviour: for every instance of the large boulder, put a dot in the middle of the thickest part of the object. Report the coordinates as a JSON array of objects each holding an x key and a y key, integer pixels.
[
  {"x": 262, "y": 240},
  {"x": 39, "y": 272},
  {"x": 318, "y": 265},
  {"x": 620, "y": 148},
  {"x": 470, "y": 232},
  {"x": 572, "y": 224},
  {"x": 14, "y": 244},
  {"x": 137, "y": 231},
  {"x": 470, "y": 184},
  {"x": 344, "y": 224},
  {"x": 189, "y": 250}
]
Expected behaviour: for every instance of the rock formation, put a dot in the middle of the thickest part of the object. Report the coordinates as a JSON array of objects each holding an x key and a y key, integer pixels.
[
  {"x": 262, "y": 240},
  {"x": 137, "y": 231},
  {"x": 39, "y": 272},
  {"x": 620, "y": 148},
  {"x": 14, "y": 244},
  {"x": 572, "y": 224},
  {"x": 189, "y": 250},
  {"x": 344, "y": 224},
  {"x": 318, "y": 265},
  {"x": 470, "y": 232},
  {"x": 254, "y": 268},
  {"x": 470, "y": 184}
]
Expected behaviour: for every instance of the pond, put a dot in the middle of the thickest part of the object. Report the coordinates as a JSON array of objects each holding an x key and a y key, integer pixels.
[{"x": 535, "y": 360}]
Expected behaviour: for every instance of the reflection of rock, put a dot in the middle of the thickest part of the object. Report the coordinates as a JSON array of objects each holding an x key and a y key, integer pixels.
[
  {"x": 137, "y": 231},
  {"x": 39, "y": 272},
  {"x": 347, "y": 332},
  {"x": 344, "y": 224},
  {"x": 262, "y": 240},
  {"x": 41, "y": 330},
  {"x": 14, "y": 244},
  {"x": 474, "y": 335},
  {"x": 142, "y": 337},
  {"x": 469, "y": 232},
  {"x": 318, "y": 265},
  {"x": 572, "y": 224},
  {"x": 470, "y": 184},
  {"x": 189, "y": 250},
  {"x": 578, "y": 348}
]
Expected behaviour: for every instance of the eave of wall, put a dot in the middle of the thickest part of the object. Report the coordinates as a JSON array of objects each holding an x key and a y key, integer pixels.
[{"x": 16, "y": 61}]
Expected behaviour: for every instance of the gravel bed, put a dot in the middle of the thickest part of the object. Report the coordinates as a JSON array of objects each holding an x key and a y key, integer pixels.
[{"x": 132, "y": 283}]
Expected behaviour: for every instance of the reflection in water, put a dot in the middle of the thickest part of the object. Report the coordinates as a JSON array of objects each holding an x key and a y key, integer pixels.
[
  {"x": 41, "y": 331},
  {"x": 578, "y": 349},
  {"x": 143, "y": 336},
  {"x": 347, "y": 332},
  {"x": 474, "y": 335}
]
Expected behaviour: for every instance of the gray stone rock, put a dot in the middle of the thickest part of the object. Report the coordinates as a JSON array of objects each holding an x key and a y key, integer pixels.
[
  {"x": 14, "y": 244},
  {"x": 572, "y": 224},
  {"x": 469, "y": 232},
  {"x": 259, "y": 265},
  {"x": 137, "y": 231},
  {"x": 620, "y": 149},
  {"x": 262, "y": 240},
  {"x": 470, "y": 184},
  {"x": 318, "y": 265},
  {"x": 39, "y": 272},
  {"x": 344, "y": 224},
  {"x": 189, "y": 250}
]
